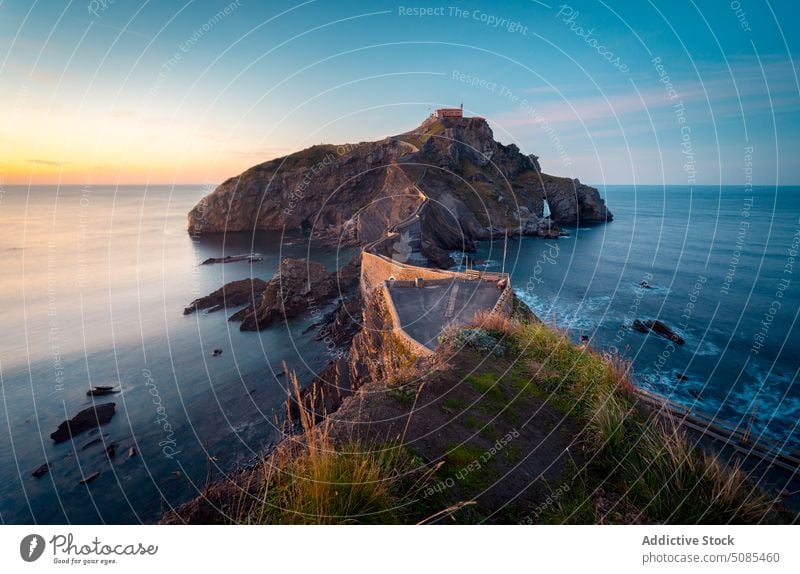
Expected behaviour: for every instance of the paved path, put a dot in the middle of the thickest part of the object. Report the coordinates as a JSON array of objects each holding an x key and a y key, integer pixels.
[{"x": 424, "y": 312}]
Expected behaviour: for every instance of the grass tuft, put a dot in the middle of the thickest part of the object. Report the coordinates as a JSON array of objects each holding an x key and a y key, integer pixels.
[{"x": 310, "y": 479}]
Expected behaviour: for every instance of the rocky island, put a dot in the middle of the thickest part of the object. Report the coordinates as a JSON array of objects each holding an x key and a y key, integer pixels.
[{"x": 351, "y": 194}]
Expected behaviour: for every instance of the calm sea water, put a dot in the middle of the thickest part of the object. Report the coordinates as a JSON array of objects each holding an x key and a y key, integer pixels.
[
  {"x": 724, "y": 269},
  {"x": 94, "y": 283}
]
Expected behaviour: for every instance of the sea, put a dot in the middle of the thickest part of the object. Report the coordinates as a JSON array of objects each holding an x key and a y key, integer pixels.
[
  {"x": 95, "y": 279},
  {"x": 93, "y": 287}
]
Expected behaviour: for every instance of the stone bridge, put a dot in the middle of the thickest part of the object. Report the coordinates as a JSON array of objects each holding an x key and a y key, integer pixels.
[{"x": 423, "y": 301}]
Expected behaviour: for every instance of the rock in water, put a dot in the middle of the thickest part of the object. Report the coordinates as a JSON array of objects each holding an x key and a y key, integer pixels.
[
  {"x": 85, "y": 420},
  {"x": 41, "y": 470},
  {"x": 659, "y": 328},
  {"x": 100, "y": 391},
  {"x": 229, "y": 295},
  {"x": 663, "y": 330},
  {"x": 379, "y": 184},
  {"x": 250, "y": 258},
  {"x": 89, "y": 478},
  {"x": 297, "y": 286},
  {"x": 570, "y": 201}
]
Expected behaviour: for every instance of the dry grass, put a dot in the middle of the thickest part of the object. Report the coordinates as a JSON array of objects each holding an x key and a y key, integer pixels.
[
  {"x": 495, "y": 323},
  {"x": 310, "y": 479}
]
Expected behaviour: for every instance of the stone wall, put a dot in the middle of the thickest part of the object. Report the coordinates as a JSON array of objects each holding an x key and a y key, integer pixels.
[
  {"x": 413, "y": 346},
  {"x": 375, "y": 269}
]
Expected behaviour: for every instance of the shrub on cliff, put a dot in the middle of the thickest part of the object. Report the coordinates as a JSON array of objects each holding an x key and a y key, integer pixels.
[{"x": 477, "y": 338}]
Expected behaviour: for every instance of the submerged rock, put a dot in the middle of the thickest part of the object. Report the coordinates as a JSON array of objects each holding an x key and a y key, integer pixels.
[
  {"x": 91, "y": 443},
  {"x": 85, "y": 420}
]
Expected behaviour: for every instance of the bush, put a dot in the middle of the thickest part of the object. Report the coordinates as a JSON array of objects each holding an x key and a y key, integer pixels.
[{"x": 477, "y": 338}]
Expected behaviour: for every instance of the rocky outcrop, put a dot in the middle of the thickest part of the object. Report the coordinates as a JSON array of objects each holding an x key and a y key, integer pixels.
[
  {"x": 373, "y": 355},
  {"x": 572, "y": 202},
  {"x": 231, "y": 294},
  {"x": 41, "y": 470},
  {"x": 298, "y": 285},
  {"x": 85, "y": 420},
  {"x": 351, "y": 194},
  {"x": 658, "y": 327}
]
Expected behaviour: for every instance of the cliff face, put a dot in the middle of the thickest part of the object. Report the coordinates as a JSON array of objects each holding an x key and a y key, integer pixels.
[
  {"x": 373, "y": 353},
  {"x": 289, "y": 293},
  {"x": 353, "y": 193}
]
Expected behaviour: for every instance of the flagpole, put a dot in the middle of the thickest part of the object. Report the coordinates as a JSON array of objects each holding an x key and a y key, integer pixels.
[{"x": 505, "y": 249}]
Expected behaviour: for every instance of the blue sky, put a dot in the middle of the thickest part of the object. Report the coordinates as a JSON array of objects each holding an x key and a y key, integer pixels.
[{"x": 175, "y": 92}]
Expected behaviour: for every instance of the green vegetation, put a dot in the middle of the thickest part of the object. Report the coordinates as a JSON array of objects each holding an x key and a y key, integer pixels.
[
  {"x": 646, "y": 463},
  {"x": 306, "y": 157},
  {"x": 418, "y": 138},
  {"x": 627, "y": 466}
]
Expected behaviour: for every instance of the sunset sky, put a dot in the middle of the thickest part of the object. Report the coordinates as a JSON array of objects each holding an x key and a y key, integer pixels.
[{"x": 193, "y": 92}]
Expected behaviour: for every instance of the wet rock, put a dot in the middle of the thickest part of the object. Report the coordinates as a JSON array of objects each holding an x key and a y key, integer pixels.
[
  {"x": 85, "y": 420},
  {"x": 89, "y": 478},
  {"x": 41, "y": 470},
  {"x": 658, "y": 327},
  {"x": 231, "y": 294}
]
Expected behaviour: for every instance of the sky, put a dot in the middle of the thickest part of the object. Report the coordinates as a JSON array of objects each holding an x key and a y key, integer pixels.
[{"x": 611, "y": 92}]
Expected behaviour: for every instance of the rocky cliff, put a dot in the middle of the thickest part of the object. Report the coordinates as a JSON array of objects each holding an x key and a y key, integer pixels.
[{"x": 350, "y": 194}]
